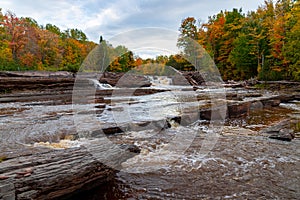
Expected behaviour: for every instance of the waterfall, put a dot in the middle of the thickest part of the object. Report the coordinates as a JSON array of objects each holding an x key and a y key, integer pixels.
[
  {"x": 98, "y": 85},
  {"x": 160, "y": 80}
]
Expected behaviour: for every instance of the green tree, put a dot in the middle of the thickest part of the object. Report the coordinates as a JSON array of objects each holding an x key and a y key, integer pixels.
[
  {"x": 75, "y": 34},
  {"x": 178, "y": 62},
  {"x": 6, "y": 58},
  {"x": 232, "y": 28},
  {"x": 292, "y": 45},
  {"x": 54, "y": 29},
  {"x": 242, "y": 57}
]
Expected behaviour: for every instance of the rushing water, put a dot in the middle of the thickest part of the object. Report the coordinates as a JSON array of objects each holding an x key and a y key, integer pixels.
[
  {"x": 242, "y": 164},
  {"x": 98, "y": 85},
  {"x": 160, "y": 80}
]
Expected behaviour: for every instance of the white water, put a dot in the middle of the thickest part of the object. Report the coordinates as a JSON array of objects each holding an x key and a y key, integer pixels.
[
  {"x": 294, "y": 105},
  {"x": 160, "y": 80},
  {"x": 98, "y": 85}
]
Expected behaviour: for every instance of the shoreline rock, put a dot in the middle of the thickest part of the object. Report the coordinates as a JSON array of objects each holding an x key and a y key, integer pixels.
[
  {"x": 280, "y": 131},
  {"x": 51, "y": 173},
  {"x": 41, "y": 74}
]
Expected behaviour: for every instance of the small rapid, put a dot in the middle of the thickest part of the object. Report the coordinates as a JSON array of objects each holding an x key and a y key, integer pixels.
[
  {"x": 160, "y": 80},
  {"x": 98, "y": 85}
]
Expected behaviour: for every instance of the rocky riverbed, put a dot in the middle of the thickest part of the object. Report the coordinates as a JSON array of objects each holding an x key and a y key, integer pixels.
[{"x": 147, "y": 138}]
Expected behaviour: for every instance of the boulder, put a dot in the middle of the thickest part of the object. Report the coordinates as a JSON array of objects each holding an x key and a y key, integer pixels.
[
  {"x": 280, "y": 131},
  {"x": 273, "y": 102},
  {"x": 238, "y": 109},
  {"x": 256, "y": 105},
  {"x": 284, "y": 134},
  {"x": 194, "y": 78}
]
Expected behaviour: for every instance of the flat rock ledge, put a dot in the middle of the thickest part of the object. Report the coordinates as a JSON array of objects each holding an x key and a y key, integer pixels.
[
  {"x": 55, "y": 173},
  {"x": 237, "y": 109}
]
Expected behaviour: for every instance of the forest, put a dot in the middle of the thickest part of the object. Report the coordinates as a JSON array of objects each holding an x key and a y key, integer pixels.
[{"x": 263, "y": 44}]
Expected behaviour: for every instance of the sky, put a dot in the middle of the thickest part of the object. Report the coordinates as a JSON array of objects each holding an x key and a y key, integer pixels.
[{"x": 114, "y": 19}]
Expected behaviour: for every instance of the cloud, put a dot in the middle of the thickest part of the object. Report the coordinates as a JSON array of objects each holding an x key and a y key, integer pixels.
[
  {"x": 62, "y": 13},
  {"x": 168, "y": 13},
  {"x": 148, "y": 41},
  {"x": 111, "y": 18}
]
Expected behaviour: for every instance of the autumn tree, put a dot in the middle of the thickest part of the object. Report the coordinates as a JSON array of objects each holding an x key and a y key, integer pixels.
[
  {"x": 49, "y": 50},
  {"x": 180, "y": 63},
  {"x": 211, "y": 33},
  {"x": 188, "y": 41},
  {"x": 122, "y": 59},
  {"x": 6, "y": 58},
  {"x": 263, "y": 43},
  {"x": 26, "y": 45},
  {"x": 15, "y": 33},
  {"x": 232, "y": 28}
]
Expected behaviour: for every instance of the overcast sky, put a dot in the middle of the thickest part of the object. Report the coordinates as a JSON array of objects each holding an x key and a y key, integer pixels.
[{"x": 111, "y": 18}]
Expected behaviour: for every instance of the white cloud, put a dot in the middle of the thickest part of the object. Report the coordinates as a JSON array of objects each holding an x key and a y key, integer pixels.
[
  {"x": 105, "y": 16},
  {"x": 110, "y": 18},
  {"x": 150, "y": 41}
]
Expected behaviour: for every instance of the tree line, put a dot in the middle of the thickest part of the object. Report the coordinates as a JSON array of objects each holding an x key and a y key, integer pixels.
[
  {"x": 264, "y": 43},
  {"x": 26, "y": 45}
]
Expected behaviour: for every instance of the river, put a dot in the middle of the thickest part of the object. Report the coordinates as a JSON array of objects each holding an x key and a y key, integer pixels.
[
  {"x": 189, "y": 158},
  {"x": 243, "y": 164}
]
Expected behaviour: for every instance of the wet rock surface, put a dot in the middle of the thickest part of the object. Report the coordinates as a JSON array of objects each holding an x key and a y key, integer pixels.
[
  {"x": 238, "y": 167},
  {"x": 52, "y": 149},
  {"x": 49, "y": 173},
  {"x": 281, "y": 131},
  {"x": 31, "y": 74},
  {"x": 124, "y": 80}
]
